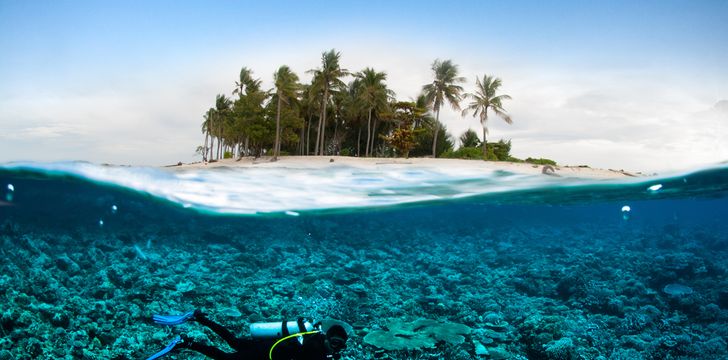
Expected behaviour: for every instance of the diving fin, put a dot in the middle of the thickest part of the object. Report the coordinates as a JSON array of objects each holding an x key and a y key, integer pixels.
[
  {"x": 173, "y": 319},
  {"x": 166, "y": 350}
]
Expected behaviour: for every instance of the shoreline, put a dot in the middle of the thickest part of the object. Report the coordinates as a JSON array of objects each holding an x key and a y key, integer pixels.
[{"x": 321, "y": 162}]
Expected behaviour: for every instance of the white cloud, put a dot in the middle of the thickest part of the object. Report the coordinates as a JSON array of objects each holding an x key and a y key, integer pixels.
[{"x": 636, "y": 120}]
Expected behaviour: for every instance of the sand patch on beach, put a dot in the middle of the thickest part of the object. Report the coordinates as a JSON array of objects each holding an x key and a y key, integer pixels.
[{"x": 322, "y": 162}]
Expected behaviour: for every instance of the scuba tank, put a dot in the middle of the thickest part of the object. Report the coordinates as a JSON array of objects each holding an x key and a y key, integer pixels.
[{"x": 272, "y": 330}]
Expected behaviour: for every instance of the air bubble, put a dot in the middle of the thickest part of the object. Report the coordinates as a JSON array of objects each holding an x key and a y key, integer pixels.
[
  {"x": 101, "y": 222},
  {"x": 114, "y": 209},
  {"x": 9, "y": 195},
  {"x": 625, "y": 212}
]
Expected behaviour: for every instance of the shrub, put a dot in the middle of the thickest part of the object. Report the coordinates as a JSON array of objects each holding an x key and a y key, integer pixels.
[
  {"x": 464, "y": 153},
  {"x": 540, "y": 161},
  {"x": 491, "y": 154},
  {"x": 497, "y": 151},
  {"x": 469, "y": 139},
  {"x": 501, "y": 149}
]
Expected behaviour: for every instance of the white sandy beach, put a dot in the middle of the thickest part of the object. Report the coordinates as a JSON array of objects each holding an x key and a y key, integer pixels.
[{"x": 319, "y": 162}]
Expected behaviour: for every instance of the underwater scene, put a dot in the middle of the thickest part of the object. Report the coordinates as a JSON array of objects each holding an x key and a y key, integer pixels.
[{"x": 417, "y": 263}]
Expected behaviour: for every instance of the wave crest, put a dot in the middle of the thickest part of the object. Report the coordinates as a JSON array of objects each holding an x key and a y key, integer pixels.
[{"x": 252, "y": 190}]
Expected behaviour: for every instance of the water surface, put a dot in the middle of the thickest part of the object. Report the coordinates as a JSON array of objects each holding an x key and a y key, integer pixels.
[{"x": 538, "y": 267}]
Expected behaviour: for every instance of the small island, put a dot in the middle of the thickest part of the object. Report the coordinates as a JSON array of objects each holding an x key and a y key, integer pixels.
[
  {"x": 359, "y": 118},
  {"x": 362, "y": 123}
]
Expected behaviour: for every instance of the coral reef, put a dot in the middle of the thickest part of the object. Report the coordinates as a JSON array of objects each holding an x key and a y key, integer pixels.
[
  {"x": 418, "y": 334},
  {"x": 454, "y": 281}
]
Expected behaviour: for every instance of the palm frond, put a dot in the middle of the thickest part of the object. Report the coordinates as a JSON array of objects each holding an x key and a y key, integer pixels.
[{"x": 501, "y": 113}]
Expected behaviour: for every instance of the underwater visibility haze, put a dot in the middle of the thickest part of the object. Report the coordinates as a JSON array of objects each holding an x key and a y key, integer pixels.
[{"x": 422, "y": 263}]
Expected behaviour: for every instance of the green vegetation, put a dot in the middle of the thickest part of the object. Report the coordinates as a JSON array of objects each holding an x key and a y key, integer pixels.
[
  {"x": 470, "y": 153},
  {"x": 360, "y": 118},
  {"x": 326, "y": 81},
  {"x": 443, "y": 88},
  {"x": 469, "y": 139},
  {"x": 471, "y": 149},
  {"x": 484, "y": 100},
  {"x": 540, "y": 161},
  {"x": 371, "y": 93},
  {"x": 286, "y": 91},
  {"x": 402, "y": 138},
  {"x": 499, "y": 151}
]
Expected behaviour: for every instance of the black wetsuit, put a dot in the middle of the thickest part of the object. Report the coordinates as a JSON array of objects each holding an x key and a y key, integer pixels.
[{"x": 313, "y": 347}]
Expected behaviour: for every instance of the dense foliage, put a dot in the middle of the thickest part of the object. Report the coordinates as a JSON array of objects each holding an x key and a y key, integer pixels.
[
  {"x": 470, "y": 149},
  {"x": 329, "y": 116}
]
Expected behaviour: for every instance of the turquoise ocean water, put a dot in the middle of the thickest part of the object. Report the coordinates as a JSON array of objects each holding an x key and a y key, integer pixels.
[{"x": 536, "y": 267}]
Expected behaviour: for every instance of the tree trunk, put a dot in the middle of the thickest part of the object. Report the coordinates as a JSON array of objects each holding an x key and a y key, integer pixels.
[
  {"x": 434, "y": 135},
  {"x": 212, "y": 147},
  {"x": 219, "y": 143},
  {"x": 369, "y": 131},
  {"x": 211, "y": 153},
  {"x": 301, "y": 139},
  {"x": 204, "y": 151},
  {"x": 336, "y": 135},
  {"x": 308, "y": 136},
  {"x": 323, "y": 121},
  {"x": 318, "y": 126},
  {"x": 318, "y": 136},
  {"x": 374, "y": 136},
  {"x": 358, "y": 143},
  {"x": 277, "y": 146},
  {"x": 485, "y": 143}
]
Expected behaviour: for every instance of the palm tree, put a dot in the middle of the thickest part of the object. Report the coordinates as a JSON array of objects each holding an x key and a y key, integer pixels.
[
  {"x": 426, "y": 118},
  {"x": 246, "y": 82},
  {"x": 374, "y": 94},
  {"x": 485, "y": 99},
  {"x": 206, "y": 126},
  {"x": 222, "y": 112},
  {"x": 308, "y": 106},
  {"x": 246, "y": 108},
  {"x": 326, "y": 79},
  {"x": 286, "y": 82},
  {"x": 443, "y": 88},
  {"x": 351, "y": 110}
]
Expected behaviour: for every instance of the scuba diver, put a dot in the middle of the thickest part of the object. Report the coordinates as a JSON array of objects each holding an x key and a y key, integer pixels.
[{"x": 292, "y": 340}]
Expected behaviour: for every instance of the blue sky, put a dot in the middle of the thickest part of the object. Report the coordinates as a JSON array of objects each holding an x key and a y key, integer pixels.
[{"x": 627, "y": 84}]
